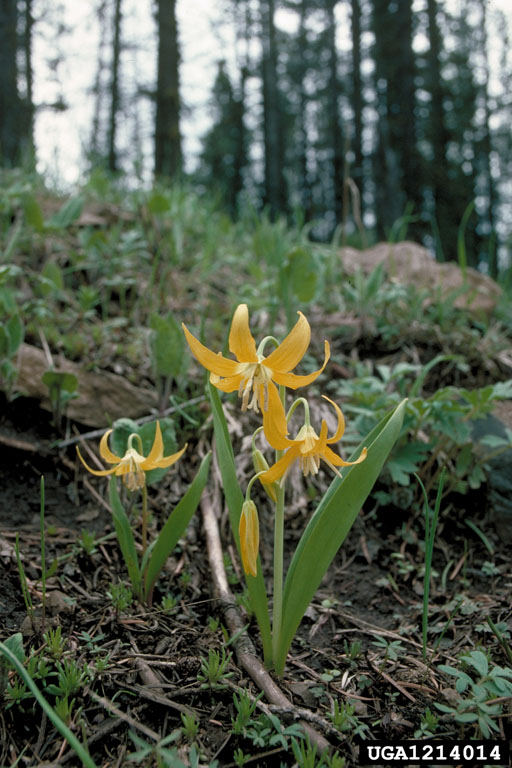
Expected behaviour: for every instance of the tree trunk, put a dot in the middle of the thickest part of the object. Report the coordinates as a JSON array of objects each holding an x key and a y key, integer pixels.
[
  {"x": 168, "y": 156},
  {"x": 357, "y": 99},
  {"x": 11, "y": 111},
  {"x": 486, "y": 147},
  {"x": 114, "y": 89},
  {"x": 275, "y": 195},
  {"x": 334, "y": 117},
  {"x": 302, "y": 151},
  {"x": 440, "y": 192}
]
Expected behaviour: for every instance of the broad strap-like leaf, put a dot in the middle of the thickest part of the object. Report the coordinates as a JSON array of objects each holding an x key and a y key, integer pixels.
[
  {"x": 175, "y": 526},
  {"x": 125, "y": 538},
  {"x": 235, "y": 499},
  {"x": 330, "y": 525}
]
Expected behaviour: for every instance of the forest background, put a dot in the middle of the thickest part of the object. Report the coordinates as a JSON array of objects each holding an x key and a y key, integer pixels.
[{"x": 367, "y": 117}]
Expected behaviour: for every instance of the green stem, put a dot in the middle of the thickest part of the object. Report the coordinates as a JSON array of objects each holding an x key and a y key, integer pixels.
[
  {"x": 43, "y": 558},
  {"x": 277, "y": 613},
  {"x": 278, "y": 571},
  {"x": 144, "y": 519}
]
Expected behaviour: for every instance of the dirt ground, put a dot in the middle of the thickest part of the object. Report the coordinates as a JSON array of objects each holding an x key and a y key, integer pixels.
[{"x": 370, "y": 601}]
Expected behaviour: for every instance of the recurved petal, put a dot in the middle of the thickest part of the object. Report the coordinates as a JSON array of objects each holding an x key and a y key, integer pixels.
[
  {"x": 212, "y": 362},
  {"x": 341, "y": 421},
  {"x": 225, "y": 385},
  {"x": 278, "y": 469},
  {"x": 333, "y": 458},
  {"x": 241, "y": 342},
  {"x": 105, "y": 452},
  {"x": 274, "y": 421},
  {"x": 292, "y": 380},
  {"x": 292, "y": 349},
  {"x": 167, "y": 461},
  {"x": 100, "y": 472},
  {"x": 157, "y": 449}
]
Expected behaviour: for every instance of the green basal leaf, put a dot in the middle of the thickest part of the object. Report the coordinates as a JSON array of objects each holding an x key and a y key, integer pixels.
[
  {"x": 14, "y": 328},
  {"x": 330, "y": 525},
  {"x": 301, "y": 273},
  {"x": 234, "y": 500},
  {"x": 167, "y": 345},
  {"x": 4, "y": 343},
  {"x": 60, "y": 381},
  {"x": 125, "y": 538},
  {"x": 66, "y": 215},
  {"x": 175, "y": 526},
  {"x": 33, "y": 213}
]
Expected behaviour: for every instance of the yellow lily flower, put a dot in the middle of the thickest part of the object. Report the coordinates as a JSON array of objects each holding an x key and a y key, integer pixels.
[
  {"x": 249, "y": 531},
  {"x": 252, "y": 371},
  {"x": 133, "y": 466},
  {"x": 308, "y": 448}
]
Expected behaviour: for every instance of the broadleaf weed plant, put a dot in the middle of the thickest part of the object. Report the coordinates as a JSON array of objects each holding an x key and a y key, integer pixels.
[
  {"x": 133, "y": 467},
  {"x": 437, "y": 429},
  {"x": 262, "y": 381},
  {"x": 482, "y": 687}
]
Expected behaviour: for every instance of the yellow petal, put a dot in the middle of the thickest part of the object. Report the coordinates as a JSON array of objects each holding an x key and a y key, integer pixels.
[
  {"x": 105, "y": 452},
  {"x": 249, "y": 532},
  {"x": 241, "y": 342},
  {"x": 278, "y": 469},
  {"x": 333, "y": 458},
  {"x": 341, "y": 421},
  {"x": 157, "y": 449},
  {"x": 212, "y": 362},
  {"x": 274, "y": 421},
  {"x": 292, "y": 349},
  {"x": 226, "y": 385},
  {"x": 100, "y": 472},
  {"x": 167, "y": 461},
  {"x": 293, "y": 381}
]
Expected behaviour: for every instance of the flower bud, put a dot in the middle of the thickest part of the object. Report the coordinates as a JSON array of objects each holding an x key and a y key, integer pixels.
[
  {"x": 249, "y": 531},
  {"x": 261, "y": 465}
]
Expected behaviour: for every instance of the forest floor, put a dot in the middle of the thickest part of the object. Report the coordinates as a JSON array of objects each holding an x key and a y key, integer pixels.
[{"x": 132, "y": 681}]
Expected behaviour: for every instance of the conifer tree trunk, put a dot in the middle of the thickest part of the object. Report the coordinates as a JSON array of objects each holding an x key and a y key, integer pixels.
[
  {"x": 439, "y": 140},
  {"x": 275, "y": 195},
  {"x": 486, "y": 147},
  {"x": 334, "y": 117},
  {"x": 357, "y": 99},
  {"x": 302, "y": 152},
  {"x": 168, "y": 155},
  {"x": 114, "y": 89},
  {"x": 11, "y": 111}
]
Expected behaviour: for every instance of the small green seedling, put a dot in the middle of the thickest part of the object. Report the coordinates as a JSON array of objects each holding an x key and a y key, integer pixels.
[{"x": 214, "y": 669}]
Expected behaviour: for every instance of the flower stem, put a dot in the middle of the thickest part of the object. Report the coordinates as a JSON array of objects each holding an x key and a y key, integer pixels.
[
  {"x": 144, "y": 518},
  {"x": 277, "y": 614}
]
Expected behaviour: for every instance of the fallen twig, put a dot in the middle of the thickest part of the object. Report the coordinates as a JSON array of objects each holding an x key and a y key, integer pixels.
[{"x": 245, "y": 650}]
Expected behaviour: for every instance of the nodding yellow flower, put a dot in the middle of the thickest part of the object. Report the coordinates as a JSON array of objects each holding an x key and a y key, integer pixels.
[
  {"x": 308, "y": 448},
  {"x": 249, "y": 532},
  {"x": 253, "y": 372},
  {"x": 133, "y": 466}
]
